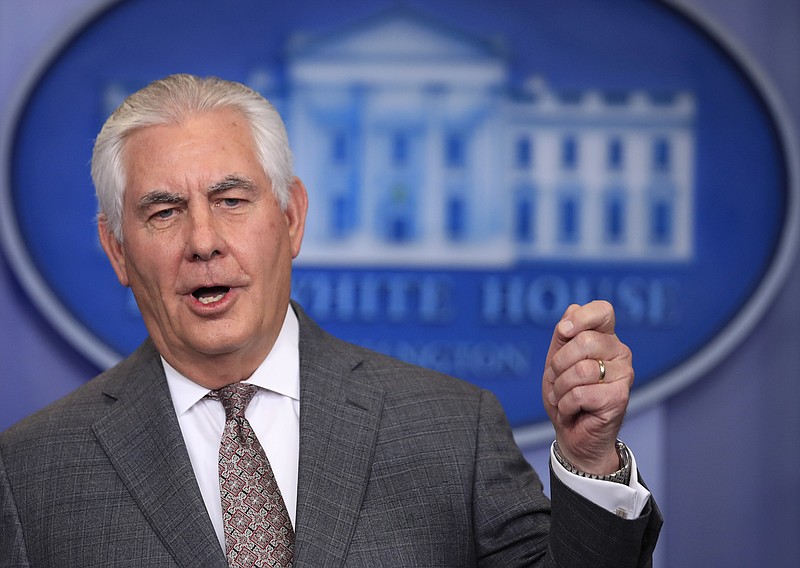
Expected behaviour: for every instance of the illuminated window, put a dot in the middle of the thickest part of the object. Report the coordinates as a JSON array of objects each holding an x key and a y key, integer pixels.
[
  {"x": 614, "y": 217},
  {"x": 616, "y": 155},
  {"x": 525, "y": 214},
  {"x": 456, "y": 218},
  {"x": 662, "y": 155},
  {"x": 399, "y": 149},
  {"x": 569, "y": 219},
  {"x": 661, "y": 222},
  {"x": 523, "y": 157},
  {"x": 569, "y": 153},
  {"x": 339, "y": 148},
  {"x": 454, "y": 151}
]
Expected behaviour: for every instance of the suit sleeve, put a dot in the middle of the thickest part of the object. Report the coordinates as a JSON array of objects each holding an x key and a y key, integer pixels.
[
  {"x": 12, "y": 542},
  {"x": 515, "y": 524},
  {"x": 583, "y": 532}
]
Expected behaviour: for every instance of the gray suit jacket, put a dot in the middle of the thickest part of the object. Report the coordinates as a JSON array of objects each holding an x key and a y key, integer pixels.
[{"x": 399, "y": 466}]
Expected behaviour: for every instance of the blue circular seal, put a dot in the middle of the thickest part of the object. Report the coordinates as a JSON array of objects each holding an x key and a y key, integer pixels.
[{"x": 474, "y": 168}]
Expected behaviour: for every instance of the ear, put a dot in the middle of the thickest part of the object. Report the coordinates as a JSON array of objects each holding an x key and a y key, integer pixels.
[
  {"x": 114, "y": 251},
  {"x": 295, "y": 213}
]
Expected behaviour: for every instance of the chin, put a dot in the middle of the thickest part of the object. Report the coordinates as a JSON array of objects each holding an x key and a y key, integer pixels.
[
  {"x": 208, "y": 344},
  {"x": 216, "y": 349}
]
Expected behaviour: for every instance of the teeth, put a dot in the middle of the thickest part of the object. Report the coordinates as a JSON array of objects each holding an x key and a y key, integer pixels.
[{"x": 210, "y": 299}]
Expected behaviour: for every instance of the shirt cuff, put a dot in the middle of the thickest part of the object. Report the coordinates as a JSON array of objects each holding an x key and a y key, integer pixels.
[{"x": 626, "y": 501}]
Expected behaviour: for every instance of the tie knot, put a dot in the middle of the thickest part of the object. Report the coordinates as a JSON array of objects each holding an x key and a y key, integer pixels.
[{"x": 234, "y": 398}]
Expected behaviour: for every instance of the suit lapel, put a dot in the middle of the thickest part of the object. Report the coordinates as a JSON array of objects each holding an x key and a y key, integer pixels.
[
  {"x": 339, "y": 420},
  {"x": 142, "y": 438}
]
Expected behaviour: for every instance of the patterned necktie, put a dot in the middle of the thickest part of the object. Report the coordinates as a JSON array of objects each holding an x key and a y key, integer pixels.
[{"x": 258, "y": 531}]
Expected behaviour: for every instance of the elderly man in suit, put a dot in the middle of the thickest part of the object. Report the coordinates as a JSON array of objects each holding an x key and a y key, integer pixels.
[{"x": 242, "y": 434}]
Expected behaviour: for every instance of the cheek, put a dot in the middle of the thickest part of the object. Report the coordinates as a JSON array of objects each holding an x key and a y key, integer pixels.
[
  {"x": 151, "y": 269},
  {"x": 267, "y": 247},
  {"x": 272, "y": 268}
]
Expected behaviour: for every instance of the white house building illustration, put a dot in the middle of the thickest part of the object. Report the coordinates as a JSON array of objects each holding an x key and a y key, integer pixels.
[{"x": 418, "y": 150}]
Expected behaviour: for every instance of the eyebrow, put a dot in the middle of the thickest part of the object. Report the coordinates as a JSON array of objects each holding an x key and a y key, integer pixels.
[
  {"x": 231, "y": 181},
  {"x": 161, "y": 197},
  {"x": 158, "y": 197}
]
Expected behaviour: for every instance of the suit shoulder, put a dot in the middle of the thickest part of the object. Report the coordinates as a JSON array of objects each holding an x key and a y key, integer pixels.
[
  {"x": 75, "y": 405},
  {"x": 326, "y": 354},
  {"x": 79, "y": 408},
  {"x": 393, "y": 371}
]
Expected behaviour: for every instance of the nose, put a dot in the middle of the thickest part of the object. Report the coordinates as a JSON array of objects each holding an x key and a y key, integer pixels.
[{"x": 204, "y": 240}]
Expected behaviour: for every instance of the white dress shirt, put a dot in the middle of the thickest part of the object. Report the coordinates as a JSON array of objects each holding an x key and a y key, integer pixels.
[
  {"x": 626, "y": 501},
  {"x": 274, "y": 414}
]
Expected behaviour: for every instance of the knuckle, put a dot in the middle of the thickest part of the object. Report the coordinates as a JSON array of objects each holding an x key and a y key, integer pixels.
[
  {"x": 605, "y": 305},
  {"x": 569, "y": 402},
  {"x": 585, "y": 342},
  {"x": 619, "y": 396},
  {"x": 587, "y": 369},
  {"x": 608, "y": 311},
  {"x": 556, "y": 363}
]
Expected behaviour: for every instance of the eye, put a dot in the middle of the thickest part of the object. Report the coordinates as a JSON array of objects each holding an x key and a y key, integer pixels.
[
  {"x": 230, "y": 202},
  {"x": 164, "y": 213}
]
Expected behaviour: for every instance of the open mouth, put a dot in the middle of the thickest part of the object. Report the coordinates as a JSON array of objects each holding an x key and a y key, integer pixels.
[{"x": 210, "y": 295}]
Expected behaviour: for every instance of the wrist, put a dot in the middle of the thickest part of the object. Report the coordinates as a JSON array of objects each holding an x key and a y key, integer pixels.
[
  {"x": 590, "y": 456},
  {"x": 621, "y": 475}
]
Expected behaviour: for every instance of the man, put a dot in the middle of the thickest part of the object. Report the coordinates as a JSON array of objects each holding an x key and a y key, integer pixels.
[{"x": 371, "y": 462}]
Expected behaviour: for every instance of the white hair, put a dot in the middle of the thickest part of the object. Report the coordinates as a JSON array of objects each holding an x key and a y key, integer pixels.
[{"x": 172, "y": 100}]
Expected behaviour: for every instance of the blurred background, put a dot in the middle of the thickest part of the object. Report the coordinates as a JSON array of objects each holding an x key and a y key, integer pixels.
[{"x": 706, "y": 91}]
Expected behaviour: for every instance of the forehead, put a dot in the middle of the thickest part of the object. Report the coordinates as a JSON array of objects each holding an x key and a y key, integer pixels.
[
  {"x": 209, "y": 146},
  {"x": 226, "y": 127}
]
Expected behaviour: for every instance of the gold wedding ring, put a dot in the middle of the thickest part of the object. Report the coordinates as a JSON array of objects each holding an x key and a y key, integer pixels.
[{"x": 602, "y": 370}]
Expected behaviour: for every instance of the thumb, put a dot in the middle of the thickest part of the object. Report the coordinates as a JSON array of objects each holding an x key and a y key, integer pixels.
[{"x": 563, "y": 332}]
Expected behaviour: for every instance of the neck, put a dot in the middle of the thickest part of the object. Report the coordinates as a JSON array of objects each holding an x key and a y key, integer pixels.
[{"x": 215, "y": 371}]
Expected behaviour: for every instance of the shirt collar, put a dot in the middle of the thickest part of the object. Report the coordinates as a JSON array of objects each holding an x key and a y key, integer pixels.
[{"x": 279, "y": 372}]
